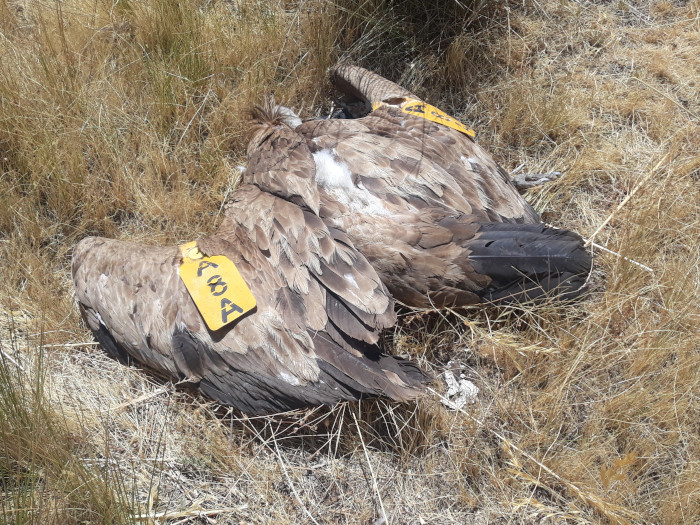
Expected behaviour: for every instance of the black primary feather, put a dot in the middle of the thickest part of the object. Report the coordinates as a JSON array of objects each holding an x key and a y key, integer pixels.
[{"x": 529, "y": 261}]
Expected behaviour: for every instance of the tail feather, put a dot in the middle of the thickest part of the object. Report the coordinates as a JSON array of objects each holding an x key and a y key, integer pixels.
[{"x": 529, "y": 261}]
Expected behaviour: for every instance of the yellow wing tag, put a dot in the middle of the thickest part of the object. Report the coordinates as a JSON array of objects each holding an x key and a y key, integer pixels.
[
  {"x": 431, "y": 113},
  {"x": 216, "y": 286}
]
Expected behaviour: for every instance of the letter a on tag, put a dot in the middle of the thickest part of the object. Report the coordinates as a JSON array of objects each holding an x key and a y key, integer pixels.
[
  {"x": 215, "y": 285},
  {"x": 203, "y": 265}
]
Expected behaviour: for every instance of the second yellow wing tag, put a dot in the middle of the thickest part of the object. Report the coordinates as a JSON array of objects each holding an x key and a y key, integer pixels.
[
  {"x": 215, "y": 285},
  {"x": 431, "y": 113}
]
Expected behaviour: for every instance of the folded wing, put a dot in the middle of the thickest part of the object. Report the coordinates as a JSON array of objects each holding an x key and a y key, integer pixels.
[{"x": 310, "y": 340}]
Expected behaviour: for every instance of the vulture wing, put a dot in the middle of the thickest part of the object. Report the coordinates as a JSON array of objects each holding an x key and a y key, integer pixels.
[
  {"x": 431, "y": 210},
  {"x": 310, "y": 339}
]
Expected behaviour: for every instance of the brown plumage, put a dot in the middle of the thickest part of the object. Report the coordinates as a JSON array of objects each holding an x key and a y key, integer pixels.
[
  {"x": 320, "y": 305},
  {"x": 435, "y": 215}
]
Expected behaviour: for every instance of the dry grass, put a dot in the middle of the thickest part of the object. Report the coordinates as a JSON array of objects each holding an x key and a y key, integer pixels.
[{"x": 127, "y": 119}]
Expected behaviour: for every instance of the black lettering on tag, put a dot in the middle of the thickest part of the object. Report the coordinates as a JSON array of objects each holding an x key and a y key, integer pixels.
[
  {"x": 227, "y": 308},
  {"x": 204, "y": 265},
  {"x": 438, "y": 115},
  {"x": 217, "y": 285},
  {"x": 417, "y": 108}
]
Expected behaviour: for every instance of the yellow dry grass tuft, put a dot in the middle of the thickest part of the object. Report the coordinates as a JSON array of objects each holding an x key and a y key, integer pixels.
[{"x": 128, "y": 119}]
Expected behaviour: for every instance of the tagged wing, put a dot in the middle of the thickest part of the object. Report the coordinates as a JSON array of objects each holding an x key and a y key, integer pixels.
[{"x": 319, "y": 306}]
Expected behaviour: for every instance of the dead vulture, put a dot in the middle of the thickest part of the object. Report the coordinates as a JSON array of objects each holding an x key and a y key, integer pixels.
[
  {"x": 434, "y": 214},
  {"x": 275, "y": 311}
]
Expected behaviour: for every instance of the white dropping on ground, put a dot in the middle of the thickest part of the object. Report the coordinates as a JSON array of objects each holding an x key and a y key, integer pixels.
[
  {"x": 336, "y": 178},
  {"x": 459, "y": 391}
]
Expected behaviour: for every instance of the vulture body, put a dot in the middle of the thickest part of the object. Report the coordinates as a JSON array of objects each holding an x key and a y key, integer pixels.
[
  {"x": 438, "y": 219},
  {"x": 310, "y": 339}
]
